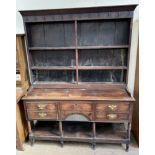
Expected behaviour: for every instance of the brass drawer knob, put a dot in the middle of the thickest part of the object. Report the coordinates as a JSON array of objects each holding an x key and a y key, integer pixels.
[
  {"x": 42, "y": 114},
  {"x": 112, "y": 107},
  {"x": 41, "y": 106},
  {"x": 112, "y": 116}
]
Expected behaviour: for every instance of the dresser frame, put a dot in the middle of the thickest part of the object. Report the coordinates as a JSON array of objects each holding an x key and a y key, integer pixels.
[{"x": 103, "y": 104}]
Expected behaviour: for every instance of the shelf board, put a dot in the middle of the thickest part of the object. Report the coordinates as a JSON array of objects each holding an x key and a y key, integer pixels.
[
  {"x": 46, "y": 129},
  {"x": 102, "y": 67},
  {"x": 52, "y": 68},
  {"x": 110, "y": 131},
  {"x": 77, "y": 130},
  {"x": 53, "y": 83},
  {"x": 78, "y": 47},
  {"x": 51, "y": 48},
  {"x": 103, "y": 47},
  {"x": 80, "y": 68}
]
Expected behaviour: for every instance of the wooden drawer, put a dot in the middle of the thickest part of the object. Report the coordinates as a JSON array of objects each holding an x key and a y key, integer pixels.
[
  {"x": 43, "y": 106},
  {"x": 42, "y": 115},
  {"x": 76, "y": 106},
  {"x": 88, "y": 115},
  {"x": 113, "y": 107},
  {"x": 100, "y": 116}
]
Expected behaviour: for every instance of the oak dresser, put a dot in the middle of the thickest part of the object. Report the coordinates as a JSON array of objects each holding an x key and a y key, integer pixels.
[{"x": 78, "y": 66}]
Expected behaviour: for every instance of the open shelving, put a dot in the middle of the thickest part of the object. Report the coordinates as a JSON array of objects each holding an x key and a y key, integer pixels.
[
  {"x": 83, "y": 51},
  {"x": 82, "y": 131}
]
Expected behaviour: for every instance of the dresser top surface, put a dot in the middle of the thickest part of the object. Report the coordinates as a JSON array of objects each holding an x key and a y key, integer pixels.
[{"x": 107, "y": 93}]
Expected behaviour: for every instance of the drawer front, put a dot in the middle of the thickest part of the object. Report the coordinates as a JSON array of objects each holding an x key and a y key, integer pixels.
[
  {"x": 113, "y": 107},
  {"x": 100, "y": 116},
  {"x": 87, "y": 115},
  {"x": 42, "y": 115},
  {"x": 41, "y": 106},
  {"x": 76, "y": 106}
]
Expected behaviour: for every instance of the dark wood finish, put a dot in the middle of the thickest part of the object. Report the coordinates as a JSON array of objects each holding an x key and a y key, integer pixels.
[
  {"x": 53, "y": 68},
  {"x": 78, "y": 67},
  {"x": 41, "y": 106},
  {"x": 103, "y": 47},
  {"x": 101, "y": 116},
  {"x": 121, "y": 107},
  {"x": 84, "y": 94},
  {"x": 33, "y": 115},
  {"x": 76, "y": 106},
  {"x": 102, "y": 68}
]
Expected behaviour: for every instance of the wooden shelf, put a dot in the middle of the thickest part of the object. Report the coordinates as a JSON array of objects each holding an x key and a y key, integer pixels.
[
  {"x": 103, "y": 47},
  {"x": 110, "y": 131},
  {"x": 74, "y": 131},
  {"x": 77, "y": 130},
  {"x": 50, "y": 129},
  {"x": 102, "y": 67},
  {"x": 52, "y": 68},
  {"x": 51, "y": 48},
  {"x": 78, "y": 47},
  {"x": 80, "y": 68}
]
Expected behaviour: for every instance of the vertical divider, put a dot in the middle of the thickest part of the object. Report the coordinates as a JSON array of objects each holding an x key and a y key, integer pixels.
[
  {"x": 60, "y": 124},
  {"x": 76, "y": 52},
  {"x": 37, "y": 75},
  {"x": 94, "y": 125}
]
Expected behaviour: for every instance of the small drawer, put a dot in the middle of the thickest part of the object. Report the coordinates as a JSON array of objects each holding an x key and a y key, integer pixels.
[
  {"x": 88, "y": 115},
  {"x": 111, "y": 116},
  {"x": 113, "y": 107},
  {"x": 41, "y": 106},
  {"x": 42, "y": 115},
  {"x": 76, "y": 106}
]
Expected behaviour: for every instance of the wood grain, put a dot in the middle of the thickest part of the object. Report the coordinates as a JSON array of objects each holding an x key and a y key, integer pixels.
[
  {"x": 21, "y": 63},
  {"x": 21, "y": 127},
  {"x": 79, "y": 63}
]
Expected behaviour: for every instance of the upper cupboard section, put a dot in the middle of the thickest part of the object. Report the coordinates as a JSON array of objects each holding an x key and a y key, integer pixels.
[{"x": 89, "y": 33}]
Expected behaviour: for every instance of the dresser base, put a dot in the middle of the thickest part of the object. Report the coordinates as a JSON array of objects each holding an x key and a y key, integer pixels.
[{"x": 90, "y": 115}]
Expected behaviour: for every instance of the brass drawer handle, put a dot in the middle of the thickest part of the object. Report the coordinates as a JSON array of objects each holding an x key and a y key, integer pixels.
[
  {"x": 41, "y": 106},
  {"x": 112, "y": 107},
  {"x": 42, "y": 114},
  {"x": 112, "y": 116}
]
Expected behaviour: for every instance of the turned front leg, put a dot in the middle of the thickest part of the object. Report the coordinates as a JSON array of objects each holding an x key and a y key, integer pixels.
[
  {"x": 128, "y": 136},
  {"x": 94, "y": 136},
  {"x": 61, "y": 132},
  {"x": 31, "y": 136}
]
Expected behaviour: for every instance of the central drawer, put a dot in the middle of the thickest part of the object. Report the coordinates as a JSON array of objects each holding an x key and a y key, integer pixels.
[
  {"x": 69, "y": 108},
  {"x": 76, "y": 106}
]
